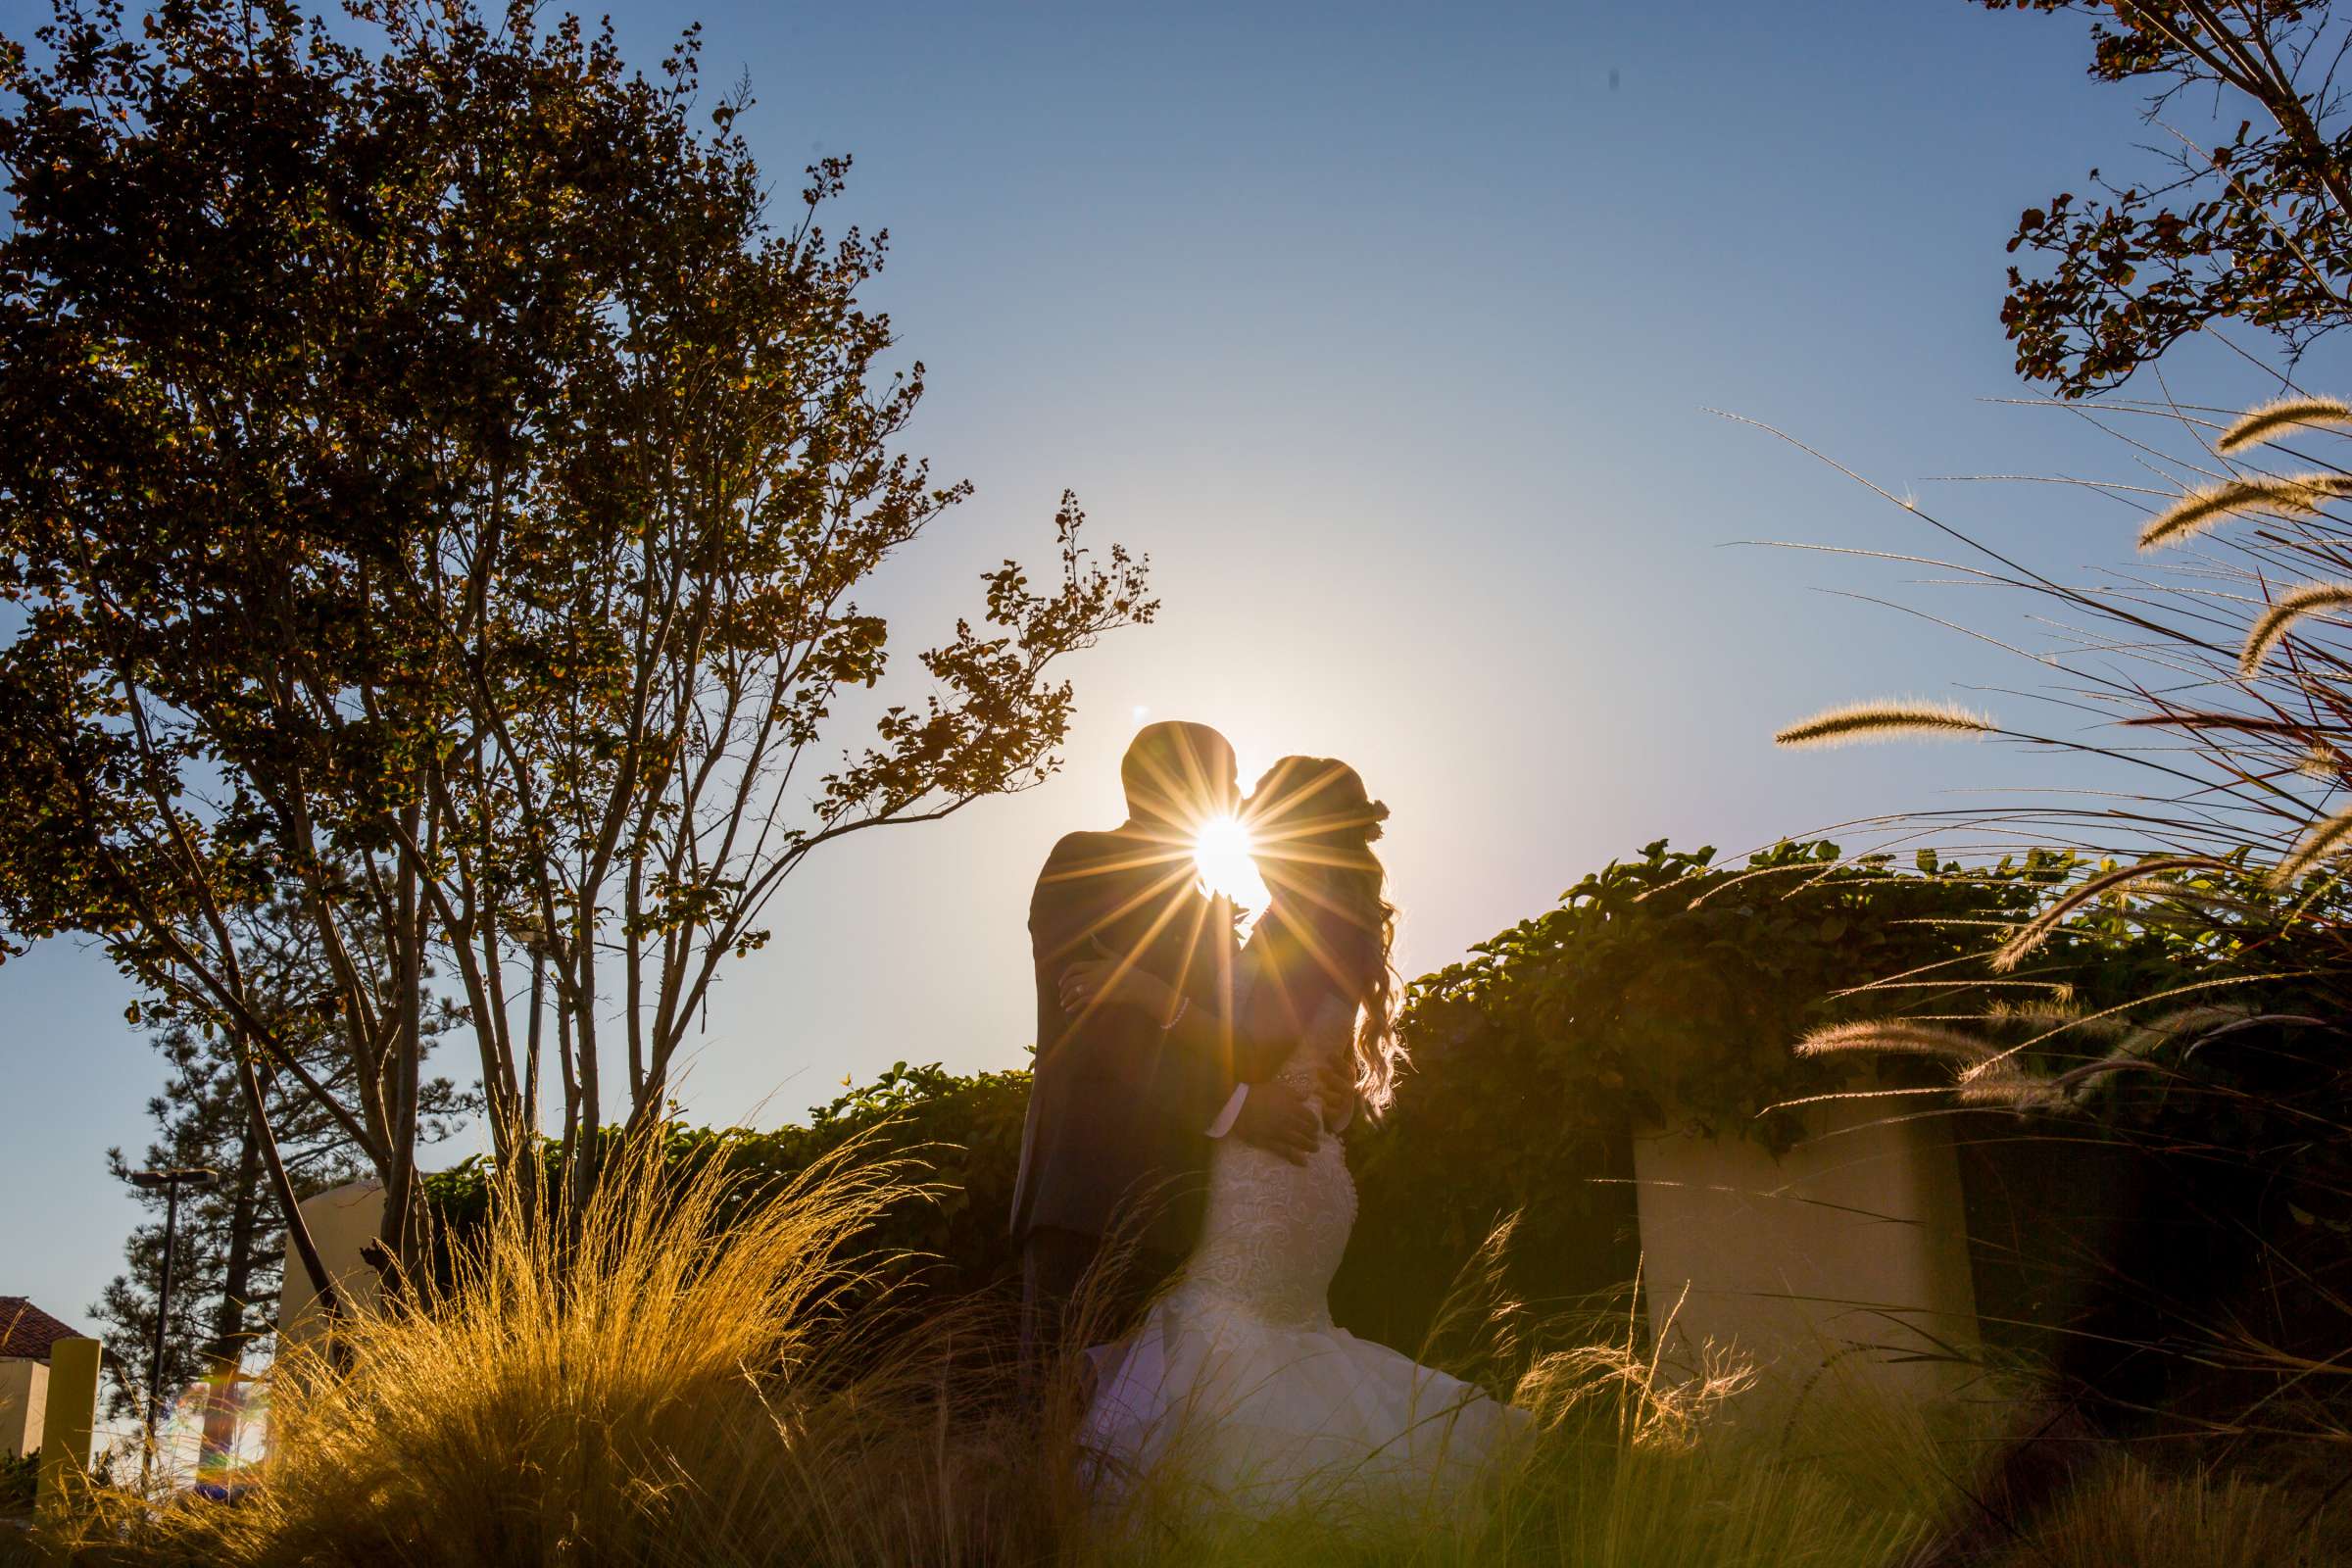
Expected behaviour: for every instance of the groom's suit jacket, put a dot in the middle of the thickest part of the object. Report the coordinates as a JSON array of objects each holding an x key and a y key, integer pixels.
[{"x": 1119, "y": 1107}]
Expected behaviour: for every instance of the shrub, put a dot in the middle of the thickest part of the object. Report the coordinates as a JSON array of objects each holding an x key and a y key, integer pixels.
[{"x": 19, "y": 1478}]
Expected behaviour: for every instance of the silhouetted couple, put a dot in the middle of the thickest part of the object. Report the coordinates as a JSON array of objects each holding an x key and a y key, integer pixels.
[{"x": 1182, "y": 1146}]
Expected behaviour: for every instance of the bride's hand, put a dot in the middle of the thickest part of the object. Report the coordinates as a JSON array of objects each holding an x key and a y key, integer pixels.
[{"x": 1101, "y": 982}]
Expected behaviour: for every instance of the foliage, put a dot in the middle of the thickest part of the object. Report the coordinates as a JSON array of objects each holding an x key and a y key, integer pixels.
[
  {"x": 1665, "y": 990},
  {"x": 1660, "y": 987},
  {"x": 2257, "y": 228},
  {"x": 438, "y": 495},
  {"x": 669, "y": 1386},
  {"x": 950, "y": 1239},
  {"x": 20, "y": 1476}
]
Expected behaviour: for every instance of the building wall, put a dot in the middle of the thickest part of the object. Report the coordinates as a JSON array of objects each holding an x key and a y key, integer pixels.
[
  {"x": 23, "y": 1402},
  {"x": 342, "y": 1220},
  {"x": 1850, "y": 1252}
]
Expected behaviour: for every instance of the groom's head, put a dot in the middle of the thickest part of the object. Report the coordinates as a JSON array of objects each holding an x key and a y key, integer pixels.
[{"x": 1178, "y": 775}]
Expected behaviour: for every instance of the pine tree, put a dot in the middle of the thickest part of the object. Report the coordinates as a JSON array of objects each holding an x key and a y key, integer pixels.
[{"x": 229, "y": 1248}]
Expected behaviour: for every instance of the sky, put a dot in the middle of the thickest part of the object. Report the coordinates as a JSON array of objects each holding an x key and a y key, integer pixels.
[{"x": 1392, "y": 333}]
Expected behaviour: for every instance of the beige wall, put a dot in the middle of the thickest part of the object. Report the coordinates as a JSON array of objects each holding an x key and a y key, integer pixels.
[
  {"x": 23, "y": 1398},
  {"x": 1849, "y": 1251},
  {"x": 342, "y": 1220}
]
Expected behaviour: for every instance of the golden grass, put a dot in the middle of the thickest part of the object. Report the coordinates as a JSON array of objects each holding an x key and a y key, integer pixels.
[
  {"x": 678, "y": 1384},
  {"x": 688, "y": 1381}
]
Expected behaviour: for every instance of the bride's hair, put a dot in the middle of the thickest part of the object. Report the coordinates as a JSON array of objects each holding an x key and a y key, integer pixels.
[{"x": 1315, "y": 825}]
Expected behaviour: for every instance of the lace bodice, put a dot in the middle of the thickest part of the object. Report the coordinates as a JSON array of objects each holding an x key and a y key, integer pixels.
[
  {"x": 1239, "y": 1394},
  {"x": 1273, "y": 1233}
]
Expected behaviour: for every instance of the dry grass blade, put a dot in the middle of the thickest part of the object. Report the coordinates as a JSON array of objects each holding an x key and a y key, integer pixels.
[
  {"x": 2208, "y": 505},
  {"x": 2145, "y": 1041},
  {"x": 2269, "y": 420},
  {"x": 1892, "y": 719},
  {"x": 2268, "y": 632},
  {"x": 2034, "y": 932}
]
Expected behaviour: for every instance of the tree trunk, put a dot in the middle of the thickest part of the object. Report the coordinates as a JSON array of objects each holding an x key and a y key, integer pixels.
[
  {"x": 400, "y": 1181},
  {"x": 298, "y": 1233},
  {"x": 224, "y": 1356},
  {"x": 589, "y": 1154}
]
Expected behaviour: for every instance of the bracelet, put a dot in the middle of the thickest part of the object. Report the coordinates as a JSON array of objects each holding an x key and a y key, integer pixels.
[{"x": 1184, "y": 1005}]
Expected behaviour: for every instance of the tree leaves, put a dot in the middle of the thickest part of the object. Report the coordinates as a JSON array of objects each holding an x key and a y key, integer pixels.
[
  {"x": 2257, "y": 229},
  {"x": 441, "y": 487}
]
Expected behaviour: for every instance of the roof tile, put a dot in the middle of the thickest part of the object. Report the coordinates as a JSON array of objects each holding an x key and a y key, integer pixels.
[{"x": 26, "y": 1332}]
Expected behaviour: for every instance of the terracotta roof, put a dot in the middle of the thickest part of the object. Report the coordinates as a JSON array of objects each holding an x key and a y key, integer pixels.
[{"x": 26, "y": 1332}]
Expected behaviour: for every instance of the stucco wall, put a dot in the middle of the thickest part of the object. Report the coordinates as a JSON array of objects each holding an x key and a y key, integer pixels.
[
  {"x": 342, "y": 1220},
  {"x": 23, "y": 1398},
  {"x": 1849, "y": 1251}
]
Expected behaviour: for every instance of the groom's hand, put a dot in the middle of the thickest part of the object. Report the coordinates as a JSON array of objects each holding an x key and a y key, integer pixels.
[
  {"x": 1279, "y": 1119},
  {"x": 1106, "y": 982},
  {"x": 1334, "y": 1089}
]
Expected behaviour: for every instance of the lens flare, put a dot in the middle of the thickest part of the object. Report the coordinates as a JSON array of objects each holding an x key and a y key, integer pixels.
[{"x": 1221, "y": 854}]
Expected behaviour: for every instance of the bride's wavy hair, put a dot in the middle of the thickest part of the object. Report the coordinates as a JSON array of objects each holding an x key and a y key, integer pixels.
[{"x": 1314, "y": 825}]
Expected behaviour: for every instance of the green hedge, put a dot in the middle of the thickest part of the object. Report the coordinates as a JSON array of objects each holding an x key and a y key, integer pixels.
[
  {"x": 965, "y": 1131},
  {"x": 1661, "y": 987}
]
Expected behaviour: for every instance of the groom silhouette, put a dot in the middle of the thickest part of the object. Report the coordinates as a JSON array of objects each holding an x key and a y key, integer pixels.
[{"x": 1126, "y": 1098}]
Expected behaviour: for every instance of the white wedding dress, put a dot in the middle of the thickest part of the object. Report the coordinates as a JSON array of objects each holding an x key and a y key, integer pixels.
[{"x": 1238, "y": 1395}]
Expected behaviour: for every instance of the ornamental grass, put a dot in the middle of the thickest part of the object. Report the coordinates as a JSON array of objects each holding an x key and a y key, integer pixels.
[{"x": 697, "y": 1374}]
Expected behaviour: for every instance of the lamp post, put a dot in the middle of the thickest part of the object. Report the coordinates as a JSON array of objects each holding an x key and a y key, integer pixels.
[{"x": 195, "y": 1178}]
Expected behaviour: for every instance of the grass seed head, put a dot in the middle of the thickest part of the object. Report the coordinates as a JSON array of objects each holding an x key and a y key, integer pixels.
[
  {"x": 2275, "y": 622},
  {"x": 2270, "y": 420},
  {"x": 2207, "y": 506},
  {"x": 1897, "y": 718}
]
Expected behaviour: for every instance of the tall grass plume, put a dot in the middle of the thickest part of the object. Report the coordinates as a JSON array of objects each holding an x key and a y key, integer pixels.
[
  {"x": 2270, "y": 629},
  {"x": 2324, "y": 841},
  {"x": 1900, "y": 1036},
  {"x": 2269, "y": 421},
  {"x": 2208, "y": 505},
  {"x": 1890, "y": 720}
]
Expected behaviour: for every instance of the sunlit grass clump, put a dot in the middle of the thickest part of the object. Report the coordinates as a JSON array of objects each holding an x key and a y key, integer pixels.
[
  {"x": 701, "y": 1372},
  {"x": 688, "y": 1376}
]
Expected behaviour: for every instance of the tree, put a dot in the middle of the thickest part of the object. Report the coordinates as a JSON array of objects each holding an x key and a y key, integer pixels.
[
  {"x": 229, "y": 1247},
  {"x": 437, "y": 496},
  {"x": 2258, "y": 228}
]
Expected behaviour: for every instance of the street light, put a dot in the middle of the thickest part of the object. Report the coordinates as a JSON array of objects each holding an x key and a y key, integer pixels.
[{"x": 196, "y": 1179}]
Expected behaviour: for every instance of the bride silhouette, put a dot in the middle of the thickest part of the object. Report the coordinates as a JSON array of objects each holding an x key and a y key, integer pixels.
[{"x": 1237, "y": 1392}]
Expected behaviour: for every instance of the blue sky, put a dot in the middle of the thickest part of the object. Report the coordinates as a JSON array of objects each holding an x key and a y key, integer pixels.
[{"x": 1389, "y": 332}]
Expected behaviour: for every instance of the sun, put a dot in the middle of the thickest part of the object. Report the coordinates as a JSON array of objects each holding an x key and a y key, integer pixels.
[{"x": 1221, "y": 854}]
